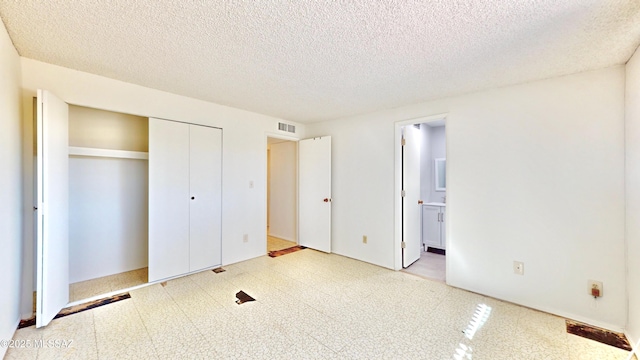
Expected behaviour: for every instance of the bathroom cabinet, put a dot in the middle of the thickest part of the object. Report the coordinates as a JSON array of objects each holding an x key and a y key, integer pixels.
[{"x": 433, "y": 225}]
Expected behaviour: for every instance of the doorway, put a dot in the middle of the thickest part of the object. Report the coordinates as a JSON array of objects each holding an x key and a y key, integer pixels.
[
  {"x": 423, "y": 198},
  {"x": 282, "y": 194}
]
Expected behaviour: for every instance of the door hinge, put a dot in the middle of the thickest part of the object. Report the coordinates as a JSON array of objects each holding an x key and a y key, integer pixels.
[
  {"x": 404, "y": 245},
  {"x": 403, "y": 193},
  {"x": 403, "y": 142}
]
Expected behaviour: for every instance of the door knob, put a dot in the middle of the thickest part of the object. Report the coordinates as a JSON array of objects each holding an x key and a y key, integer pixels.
[
  {"x": 420, "y": 202},
  {"x": 326, "y": 200},
  {"x": 193, "y": 198}
]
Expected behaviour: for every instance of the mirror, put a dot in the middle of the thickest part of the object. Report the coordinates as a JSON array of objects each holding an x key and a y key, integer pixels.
[{"x": 441, "y": 174}]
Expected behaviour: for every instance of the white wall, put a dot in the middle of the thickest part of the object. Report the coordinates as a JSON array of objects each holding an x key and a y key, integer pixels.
[
  {"x": 536, "y": 174},
  {"x": 108, "y": 216},
  {"x": 632, "y": 181},
  {"x": 95, "y": 128},
  {"x": 10, "y": 188},
  {"x": 283, "y": 198},
  {"x": 244, "y": 144}
]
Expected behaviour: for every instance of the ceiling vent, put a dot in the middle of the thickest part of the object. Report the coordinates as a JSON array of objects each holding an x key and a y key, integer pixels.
[{"x": 287, "y": 127}]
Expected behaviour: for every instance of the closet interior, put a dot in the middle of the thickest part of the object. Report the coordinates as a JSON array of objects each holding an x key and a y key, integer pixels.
[{"x": 108, "y": 201}]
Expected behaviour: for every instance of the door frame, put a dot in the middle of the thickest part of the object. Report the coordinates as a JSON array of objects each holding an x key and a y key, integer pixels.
[
  {"x": 397, "y": 147},
  {"x": 295, "y": 139}
]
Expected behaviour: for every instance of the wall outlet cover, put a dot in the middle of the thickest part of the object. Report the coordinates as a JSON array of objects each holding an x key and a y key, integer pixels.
[
  {"x": 591, "y": 284},
  {"x": 518, "y": 267}
]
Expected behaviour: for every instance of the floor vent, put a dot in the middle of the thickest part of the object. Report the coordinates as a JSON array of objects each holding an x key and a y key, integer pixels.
[
  {"x": 436, "y": 251},
  {"x": 286, "y": 127},
  {"x": 218, "y": 270},
  {"x": 600, "y": 335}
]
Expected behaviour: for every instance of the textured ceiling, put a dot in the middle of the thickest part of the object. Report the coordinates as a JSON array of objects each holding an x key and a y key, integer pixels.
[{"x": 317, "y": 60}]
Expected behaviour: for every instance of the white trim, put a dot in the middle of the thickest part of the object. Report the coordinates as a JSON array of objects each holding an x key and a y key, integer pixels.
[
  {"x": 123, "y": 154},
  {"x": 398, "y": 181}
]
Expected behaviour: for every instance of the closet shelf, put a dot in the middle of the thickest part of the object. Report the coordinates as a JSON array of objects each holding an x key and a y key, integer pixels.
[{"x": 123, "y": 154}]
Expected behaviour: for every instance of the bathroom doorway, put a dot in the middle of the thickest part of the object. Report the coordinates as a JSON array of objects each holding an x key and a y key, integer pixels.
[{"x": 423, "y": 202}]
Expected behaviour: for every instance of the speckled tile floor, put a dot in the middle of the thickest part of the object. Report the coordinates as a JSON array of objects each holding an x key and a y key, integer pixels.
[
  {"x": 274, "y": 243},
  {"x": 86, "y": 289},
  {"x": 310, "y": 305}
]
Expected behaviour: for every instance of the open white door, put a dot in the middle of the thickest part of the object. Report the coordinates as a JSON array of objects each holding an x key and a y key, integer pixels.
[
  {"x": 411, "y": 187},
  {"x": 314, "y": 156},
  {"x": 53, "y": 207}
]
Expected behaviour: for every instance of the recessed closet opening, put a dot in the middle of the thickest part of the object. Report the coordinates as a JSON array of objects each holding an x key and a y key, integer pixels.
[
  {"x": 108, "y": 201},
  {"x": 282, "y": 194}
]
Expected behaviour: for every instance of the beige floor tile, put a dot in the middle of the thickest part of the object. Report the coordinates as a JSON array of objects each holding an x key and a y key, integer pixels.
[
  {"x": 77, "y": 329},
  {"x": 86, "y": 289},
  {"x": 430, "y": 265},
  {"x": 310, "y": 305},
  {"x": 274, "y": 243},
  {"x": 27, "y": 340},
  {"x": 121, "y": 334}
]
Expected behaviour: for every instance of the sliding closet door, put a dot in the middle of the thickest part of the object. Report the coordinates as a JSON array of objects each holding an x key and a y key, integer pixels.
[
  {"x": 52, "y": 223},
  {"x": 168, "y": 199},
  {"x": 205, "y": 164}
]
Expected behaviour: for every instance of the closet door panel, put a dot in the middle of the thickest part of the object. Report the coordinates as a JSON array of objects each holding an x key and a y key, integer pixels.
[
  {"x": 168, "y": 199},
  {"x": 52, "y": 222},
  {"x": 205, "y": 179}
]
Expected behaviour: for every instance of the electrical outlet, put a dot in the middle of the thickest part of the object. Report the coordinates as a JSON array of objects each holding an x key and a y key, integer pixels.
[
  {"x": 245, "y": 238},
  {"x": 518, "y": 267},
  {"x": 594, "y": 288},
  {"x": 364, "y": 239}
]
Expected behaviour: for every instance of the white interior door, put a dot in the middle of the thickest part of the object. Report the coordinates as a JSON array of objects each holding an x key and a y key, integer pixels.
[
  {"x": 205, "y": 179},
  {"x": 168, "y": 199},
  {"x": 315, "y": 193},
  {"x": 411, "y": 186},
  {"x": 52, "y": 234}
]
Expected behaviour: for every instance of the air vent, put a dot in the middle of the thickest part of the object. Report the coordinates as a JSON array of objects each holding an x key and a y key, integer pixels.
[{"x": 287, "y": 127}]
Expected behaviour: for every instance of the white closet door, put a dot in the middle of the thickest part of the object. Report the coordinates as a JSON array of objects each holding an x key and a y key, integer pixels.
[
  {"x": 314, "y": 156},
  {"x": 168, "y": 199},
  {"x": 205, "y": 181},
  {"x": 52, "y": 233}
]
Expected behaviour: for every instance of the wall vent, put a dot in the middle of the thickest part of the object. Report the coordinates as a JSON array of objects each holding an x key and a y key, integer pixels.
[{"x": 287, "y": 127}]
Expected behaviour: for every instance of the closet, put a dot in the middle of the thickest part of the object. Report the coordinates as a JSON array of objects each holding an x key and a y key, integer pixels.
[
  {"x": 117, "y": 193},
  {"x": 185, "y": 197},
  {"x": 107, "y": 201}
]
